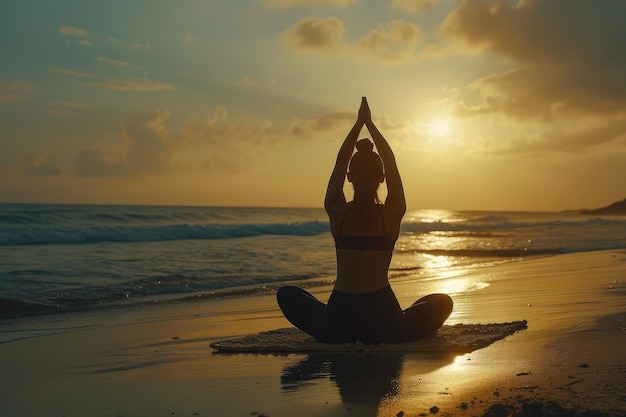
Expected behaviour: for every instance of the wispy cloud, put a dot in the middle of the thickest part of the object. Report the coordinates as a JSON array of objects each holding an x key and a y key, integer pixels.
[
  {"x": 284, "y": 4},
  {"x": 113, "y": 83},
  {"x": 86, "y": 38},
  {"x": 21, "y": 86},
  {"x": 12, "y": 97},
  {"x": 139, "y": 45},
  {"x": 321, "y": 123},
  {"x": 149, "y": 144},
  {"x": 16, "y": 85},
  {"x": 134, "y": 45},
  {"x": 313, "y": 34},
  {"x": 66, "y": 108},
  {"x": 389, "y": 43},
  {"x": 578, "y": 137},
  {"x": 393, "y": 42},
  {"x": 246, "y": 81},
  {"x": 339, "y": 121},
  {"x": 188, "y": 39},
  {"x": 72, "y": 31},
  {"x": 135, "y": 84},
  {"x": 413, "y": 6},
  {"x": 234, "y": 147},
  {"x": 79, "y": 35},
  {"x": 38, "y": 165},
  {"x": 110, "y": 61},
  {"x": 69, "y": 72},
  {"x": 241, "y": 147},
  {"x": 146, "y": 146},
  {"x": 70, "y": 105}
]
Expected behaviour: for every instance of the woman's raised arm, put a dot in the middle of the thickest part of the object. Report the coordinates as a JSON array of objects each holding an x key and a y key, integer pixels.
[
  {"x": 395, "y": 191},
  {"x": 334, "y": 193}
]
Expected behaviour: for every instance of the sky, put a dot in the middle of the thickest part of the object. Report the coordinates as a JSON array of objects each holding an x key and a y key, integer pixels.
[{"x": 487, "y": 104}]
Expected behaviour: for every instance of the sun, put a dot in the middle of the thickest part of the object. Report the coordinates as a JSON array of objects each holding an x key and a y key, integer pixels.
[{"x": 439, "y": 127}]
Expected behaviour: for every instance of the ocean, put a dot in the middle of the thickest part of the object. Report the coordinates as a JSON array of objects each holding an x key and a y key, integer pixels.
[{"x": 57, "y": 259}]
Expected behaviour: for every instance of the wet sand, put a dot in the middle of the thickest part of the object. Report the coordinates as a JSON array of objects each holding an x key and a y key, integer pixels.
[{"x": 157, "y": 361}]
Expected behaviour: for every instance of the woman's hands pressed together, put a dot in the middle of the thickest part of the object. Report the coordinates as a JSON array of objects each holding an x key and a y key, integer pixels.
[{"x": 364, "y": 115}]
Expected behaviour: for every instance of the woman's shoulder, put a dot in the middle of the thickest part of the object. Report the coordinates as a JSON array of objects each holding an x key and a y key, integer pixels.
[
  {"x": 393, "y": 210},
  {"x": 336, "y": 215},
  {"x": 392, "y": 216},
  {"x": 337, "y": 208}
]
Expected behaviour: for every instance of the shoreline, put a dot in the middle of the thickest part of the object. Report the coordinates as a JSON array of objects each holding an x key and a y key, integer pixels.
[{"x": 157, "y": 362}]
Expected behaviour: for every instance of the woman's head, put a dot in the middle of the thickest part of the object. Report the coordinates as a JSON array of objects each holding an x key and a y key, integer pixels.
[{"x": 365, "y": 171}]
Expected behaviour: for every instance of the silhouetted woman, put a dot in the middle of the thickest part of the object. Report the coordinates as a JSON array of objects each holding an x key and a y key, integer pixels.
[{"x": 362, "y": 306}]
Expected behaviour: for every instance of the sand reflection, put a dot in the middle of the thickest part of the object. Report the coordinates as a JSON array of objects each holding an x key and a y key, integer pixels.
[{"x": 367, "y": 383}]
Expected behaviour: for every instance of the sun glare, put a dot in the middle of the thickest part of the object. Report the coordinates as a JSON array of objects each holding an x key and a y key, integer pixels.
[{"x": 439, "y": 127}]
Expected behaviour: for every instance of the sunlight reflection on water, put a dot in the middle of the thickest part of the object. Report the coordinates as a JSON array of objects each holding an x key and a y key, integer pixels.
[{"x": 432, "y": 216}]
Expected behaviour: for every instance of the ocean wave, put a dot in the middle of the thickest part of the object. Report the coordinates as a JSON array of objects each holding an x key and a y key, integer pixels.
[
  {"x": 490, "y": 224},
  {"x": 94, "y": 234},
  {"x": 105, "y": 215},
  {"x": 10, "y": 307},
  {"x": 164, "y": 289}
]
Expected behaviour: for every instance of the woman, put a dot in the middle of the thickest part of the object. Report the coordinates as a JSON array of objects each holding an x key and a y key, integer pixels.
[{"x": 362, "y": 306}]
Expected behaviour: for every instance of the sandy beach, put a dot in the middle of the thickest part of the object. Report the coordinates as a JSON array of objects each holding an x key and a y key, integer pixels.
[{"x": 157, "y": 361}]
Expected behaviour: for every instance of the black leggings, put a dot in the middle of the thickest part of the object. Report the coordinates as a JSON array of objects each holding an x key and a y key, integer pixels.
[{"x": 372, "y": 317}]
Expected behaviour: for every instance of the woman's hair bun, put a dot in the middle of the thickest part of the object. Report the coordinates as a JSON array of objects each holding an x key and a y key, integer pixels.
[{"x": 364, "y": 145}]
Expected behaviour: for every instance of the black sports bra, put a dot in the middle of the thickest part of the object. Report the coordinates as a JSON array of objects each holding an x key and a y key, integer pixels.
[{"x": 381, "y": 243}]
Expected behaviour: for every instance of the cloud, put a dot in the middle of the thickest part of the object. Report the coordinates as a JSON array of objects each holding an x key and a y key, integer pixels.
[
  {"x": 337, "y": 123},
  {"x": 578, "y": 137},
  {"x": 114, "y": 83},
  {"x": 389, "y": 43},
  {"x": 413, "y": 6},
  {"x": 72, "y": 31},
  {"x": 284, "y": 4},
  {"x": 246, "y": 81},
  {"x": 570, "y": 57},
  {"x": 71, "y": 105},
  {"x": 78, "y": 34},
  {"x": 241, "y": 148},
  {"x": 82, "y": 34},
  {"x": 189, "y": 38},
  {"x": 103, "y": 161},
  {"x": 147, "y": 147},
  {"x": 219, "y": 114},
  {"x": 38, "y": 165},
  {"x": 66, "y": 108},
  {"x": 16, "y": 85},
  {"x": 393, "y": 42},
  {"x": 110, "y": 61},
  {"x": 234, "y": 147},
  {"x": 536, "y": 31},
  {"x": 139, "y": 45},
  {"x": 313, "y": 34},
  {"x": 134, "y": 45},
  {"x": 546, "y": 93},
  {"x": 12, "y": 97},
  {"x": 136, "y": 84},
  {"x": 72, "y": 73},
  {"x": 322, "y": 123}
]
